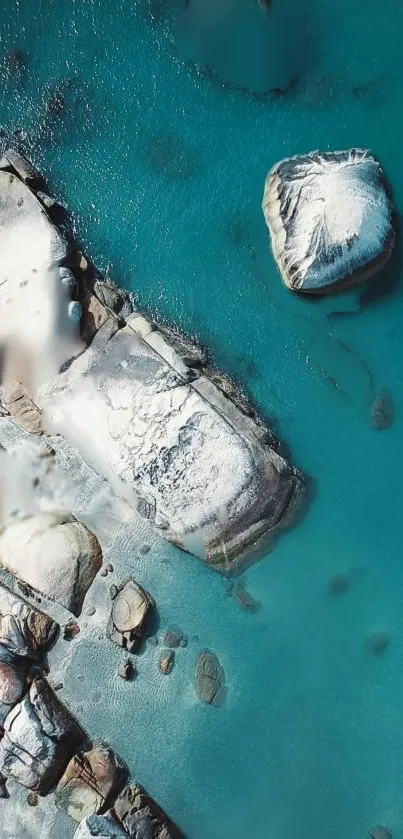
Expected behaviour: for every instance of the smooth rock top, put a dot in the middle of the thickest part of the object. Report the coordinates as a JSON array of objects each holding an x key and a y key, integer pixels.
[
  {"x": 130, "y": 613},
  {"x": 330, "y": 219},
  {"x": 90, "y": 781},
  {"x": 54, "y": 554}
]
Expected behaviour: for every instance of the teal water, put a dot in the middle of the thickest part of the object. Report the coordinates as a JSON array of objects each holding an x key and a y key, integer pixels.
[{"x": 163, "y": 170}]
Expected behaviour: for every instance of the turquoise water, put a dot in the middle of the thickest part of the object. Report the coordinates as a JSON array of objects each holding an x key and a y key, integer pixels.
[{"x": 163, "y": 170}]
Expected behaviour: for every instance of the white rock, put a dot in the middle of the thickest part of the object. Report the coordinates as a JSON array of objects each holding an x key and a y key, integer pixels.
[
  {"x": 103, "y": 827},
  {"x": 178, "y": 457},
  {"x": 330, "y": 219},
  {"x": 55, "y": 554}
]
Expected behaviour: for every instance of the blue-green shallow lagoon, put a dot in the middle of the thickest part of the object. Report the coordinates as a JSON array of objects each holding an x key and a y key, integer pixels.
[{"x": 310, "y": 740}]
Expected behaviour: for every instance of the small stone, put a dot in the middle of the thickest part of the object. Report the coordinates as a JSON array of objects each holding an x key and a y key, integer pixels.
[
  {"x": 167, "y": 658},
  {"x": 126, "y": 669},
  {"x": 175, "y": 638},
  {"x": 3, "y": 788},
  {"x": 70, "y": 630},
  {"x": 56, "y": 685},
  {"x": 33, "y": 799},
  {"x": 380, "y": 833},
  {"x": 145, "y": 549},
  {"x": 104, "y": 571},
  {"x": 113, "y": 591},
  {"x": 110, "y": 569},
  {"x": 339, "y": 584},
  {"x": 91, "y": 611},
  {"x": 377, "y": 643}
]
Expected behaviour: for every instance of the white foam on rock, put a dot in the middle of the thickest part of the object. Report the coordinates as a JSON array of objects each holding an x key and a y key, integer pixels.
[{"x": 330, "y": 218}]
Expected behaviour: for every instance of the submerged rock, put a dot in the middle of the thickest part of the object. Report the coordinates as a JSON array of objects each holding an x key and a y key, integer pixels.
[
  {"x": 210, "y": 679},
  {"x": 167, "y": 659},
  {"x": 380, "y": 833},
  {"x": 40, "y": 736},
  {"x": 377, "y": 643},
  {"x": 90, "y": 782},
  {"x": 140, "y": 816},
  {"x": 383, "y": 411},
  {"x": 126, "y": 669},
  {"x": 243, "y": 598},
  {"x": 54, "y": 554},
  {"x": 101, "y": 827},
  {"x": 330, "y": 219},
  {"x": 339, "y": 584},
  {"x": 131, "y": 611},
  {"x": 174, "y": 637}
]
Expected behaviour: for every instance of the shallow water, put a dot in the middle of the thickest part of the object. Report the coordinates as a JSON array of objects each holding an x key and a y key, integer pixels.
[{"x": 163, "y": 170}]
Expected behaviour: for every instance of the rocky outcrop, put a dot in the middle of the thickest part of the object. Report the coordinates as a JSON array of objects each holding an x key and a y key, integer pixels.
[
  {"x": 91, "y": 781},
  {"x": 54, "y": 554},
  {"x": 141, "y": 817},
  {"x": 40, "y": 736},
  {"x": 330, "y": 219},
  {"x": 141, "y": 406},
  {"x": 210, "y": 679},
  {"x": 26, "y": 635},
  {"x": 131, "y": 611},
  {"x": 21, "y": 408},
  {"x": 383, "y": 411}
]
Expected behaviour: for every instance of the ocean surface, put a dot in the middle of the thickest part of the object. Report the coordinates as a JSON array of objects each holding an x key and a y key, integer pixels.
[{"x": 162, "y": 167}]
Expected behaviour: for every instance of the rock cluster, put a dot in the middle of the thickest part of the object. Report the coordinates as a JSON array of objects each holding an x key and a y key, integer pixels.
[
  {"x": 140, "y": 816},
  {"x": 91, "y": 781}
]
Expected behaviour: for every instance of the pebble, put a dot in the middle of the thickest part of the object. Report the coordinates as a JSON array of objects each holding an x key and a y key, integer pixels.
[
  {"x": 126, "y": 669},
  {"x": 110, "y": 569},
  {"x": 145, "y": 549},
  {"x": 167, "y": 659},
  {"x": 104, "y": 571},
  {"x": 90, "y": 611},
  {"x": 33, "y": 799}
]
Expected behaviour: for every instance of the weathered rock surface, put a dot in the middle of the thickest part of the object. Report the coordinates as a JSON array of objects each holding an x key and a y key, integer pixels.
[
  {"x": 131, "y": 611},
  {"x": 25, "y": 637},
  {"x": 141, "y": 817},
  {"x": 54, "y": 554},
  {"x": 21, "y": 408},
  {"x": 210, "y": 679},
  {"x": 101, "y": 827},
  {"x": 174, "y": 637},
  {"x": 380, "y": 833},
  {"x": 330, "y": 219},
  {"x": 40, "y": 736},
  {"x": 187, "y": 459},
  {"x": 91, "y": 781}
]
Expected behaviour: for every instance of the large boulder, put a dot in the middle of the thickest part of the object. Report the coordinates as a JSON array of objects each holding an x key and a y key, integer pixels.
[
  {"x": 131, "y": 610},
  {"x": 330, "y": 219},
  {"x": 40, "y": 736},
  {"x": 54, "y": 554},
  {"x": 91, "y": 780},
  {"x": 198, "y": 469}
]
